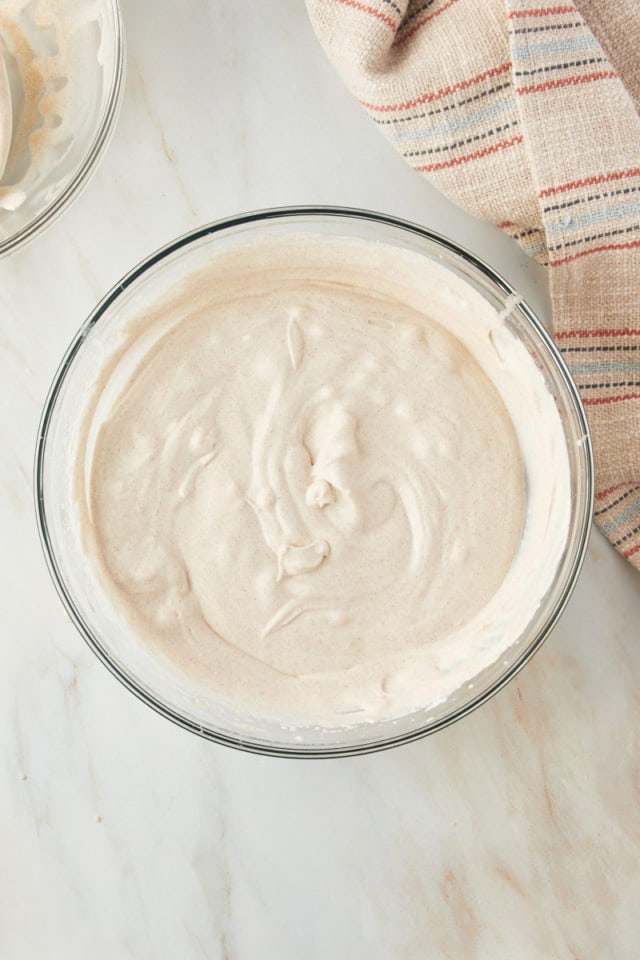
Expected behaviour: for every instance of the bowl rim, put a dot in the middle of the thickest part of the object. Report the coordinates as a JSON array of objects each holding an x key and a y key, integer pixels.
[
  {"x": 89, "y": 165},
  {"x": 257, "y": 746}
]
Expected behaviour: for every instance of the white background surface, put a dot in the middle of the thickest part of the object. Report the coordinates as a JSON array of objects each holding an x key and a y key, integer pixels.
[{"x": 513, "y": 834}]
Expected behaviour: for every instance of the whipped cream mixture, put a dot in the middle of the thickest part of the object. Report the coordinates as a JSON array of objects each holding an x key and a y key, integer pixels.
[{"x": 302, "y": 480}]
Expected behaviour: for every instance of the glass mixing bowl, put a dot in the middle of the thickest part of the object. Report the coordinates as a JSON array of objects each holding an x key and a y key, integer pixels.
[
  {"x": 65, "y": 71},
  {"x": 90, "y": 609}
]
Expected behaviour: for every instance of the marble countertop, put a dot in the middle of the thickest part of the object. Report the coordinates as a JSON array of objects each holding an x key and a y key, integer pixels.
[{"x": 515, "y": 833}]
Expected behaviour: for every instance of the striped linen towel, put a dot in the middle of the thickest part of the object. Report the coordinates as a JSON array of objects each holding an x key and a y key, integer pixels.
[{"x": 527, "y": 116}]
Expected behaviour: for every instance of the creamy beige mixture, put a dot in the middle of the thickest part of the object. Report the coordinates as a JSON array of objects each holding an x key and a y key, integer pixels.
[{"x": 307, "y": 488}]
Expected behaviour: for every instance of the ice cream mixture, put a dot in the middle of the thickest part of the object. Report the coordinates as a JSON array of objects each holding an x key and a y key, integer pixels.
[{"x": 302, "y": 481}]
